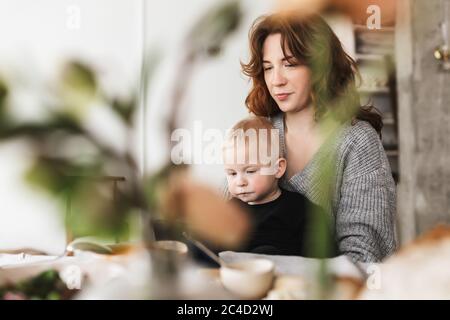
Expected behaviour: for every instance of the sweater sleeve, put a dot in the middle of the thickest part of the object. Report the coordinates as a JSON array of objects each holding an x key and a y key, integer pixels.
[{"x": 365, "y": 223}]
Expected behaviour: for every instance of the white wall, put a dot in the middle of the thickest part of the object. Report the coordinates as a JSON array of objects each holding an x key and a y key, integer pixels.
[{"x": 36, "y": 38}]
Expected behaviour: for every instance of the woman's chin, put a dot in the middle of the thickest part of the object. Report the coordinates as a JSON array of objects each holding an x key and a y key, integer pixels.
[
  {"x": 291, "y": 109},
  {"x": 287, "y": 107}
]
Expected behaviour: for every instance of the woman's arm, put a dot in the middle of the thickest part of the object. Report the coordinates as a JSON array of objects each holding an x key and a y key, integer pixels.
[
  {"x": 365, "y": 219},
  {"x": 364, "y": 223}
]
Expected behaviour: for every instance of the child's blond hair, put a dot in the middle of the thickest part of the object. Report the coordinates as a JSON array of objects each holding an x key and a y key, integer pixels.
[{"x": 252, "y": 132}]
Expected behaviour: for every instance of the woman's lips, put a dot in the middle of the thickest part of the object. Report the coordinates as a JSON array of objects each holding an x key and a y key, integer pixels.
[{"x": 282, "y": 96}]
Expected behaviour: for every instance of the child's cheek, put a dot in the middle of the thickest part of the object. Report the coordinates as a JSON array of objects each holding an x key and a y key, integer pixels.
[
  {"x": 231, "y": 186},
  {"x": 258, "y": 184},
  {"x": 267, "y": 182}
]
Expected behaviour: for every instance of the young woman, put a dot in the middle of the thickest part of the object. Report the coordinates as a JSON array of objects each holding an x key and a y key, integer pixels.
[{"x": 305, "y": 82}]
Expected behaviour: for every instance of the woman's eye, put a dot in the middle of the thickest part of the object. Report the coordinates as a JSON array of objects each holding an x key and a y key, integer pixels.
[
  {"x": 251, "y": 171},
  {"x": 290, "y": 65},
  {"x": 267, "y": 68},
  {"x": 231, "y": 173}
]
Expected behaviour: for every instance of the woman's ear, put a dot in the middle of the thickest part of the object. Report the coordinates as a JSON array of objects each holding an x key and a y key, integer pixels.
[{"x": 281, "y": 168}]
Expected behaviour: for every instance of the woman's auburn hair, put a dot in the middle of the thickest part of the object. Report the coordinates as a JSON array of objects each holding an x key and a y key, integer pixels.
[{"x": 333, "y": 72}]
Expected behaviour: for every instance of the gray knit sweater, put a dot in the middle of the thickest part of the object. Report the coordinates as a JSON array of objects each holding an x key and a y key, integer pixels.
[{"x": 361, "y": 193}]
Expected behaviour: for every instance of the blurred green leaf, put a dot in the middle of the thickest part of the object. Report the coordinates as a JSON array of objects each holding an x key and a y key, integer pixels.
[
  {"x": 58, "y": 175},
  {"x": 78, "y": 76},
  {"x": 208, "y": 35},
  {"x": 46, "y": 285},
  {"x": 3, "y": 96},
  {"x": 94, "y": 211},
  {"x": 40, "y": 130},
  {"x": 78, "y": 88},
  {"x": 125, "y": 108}
]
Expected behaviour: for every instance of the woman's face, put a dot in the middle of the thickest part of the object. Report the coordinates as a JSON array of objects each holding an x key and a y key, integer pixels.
[{"x": 288, "y": 84}]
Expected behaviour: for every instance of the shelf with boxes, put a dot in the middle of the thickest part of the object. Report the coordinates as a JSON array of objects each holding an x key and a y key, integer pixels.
[{"x": 374, "y": 52}]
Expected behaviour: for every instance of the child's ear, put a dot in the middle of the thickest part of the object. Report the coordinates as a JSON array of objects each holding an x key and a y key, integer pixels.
[{"x": 281, "y": 167}]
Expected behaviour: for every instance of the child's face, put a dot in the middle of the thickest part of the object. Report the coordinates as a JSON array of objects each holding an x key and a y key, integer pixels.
[
  {"x": 253, "y": 182},
  {"x": 247, "y": 183}
]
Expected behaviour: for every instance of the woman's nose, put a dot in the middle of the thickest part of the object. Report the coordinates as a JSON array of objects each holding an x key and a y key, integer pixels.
[{"x": 278, "y": 78}]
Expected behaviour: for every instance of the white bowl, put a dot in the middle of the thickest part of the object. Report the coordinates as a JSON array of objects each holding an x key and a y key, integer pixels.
[{"x": 248, "y": 279}]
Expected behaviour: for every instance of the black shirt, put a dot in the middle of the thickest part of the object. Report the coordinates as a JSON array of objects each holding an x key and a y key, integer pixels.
[{"x": 289, "y": 225}]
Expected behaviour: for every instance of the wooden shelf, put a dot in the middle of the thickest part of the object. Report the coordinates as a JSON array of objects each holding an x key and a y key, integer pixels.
[
  {"x": 392, "y": 153},
  {"x": 389, "y": 121},
  {"x": 374, "y": 90},
  {"x": 362, "y": 27},
  {"x": 369, "y": 57}
]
